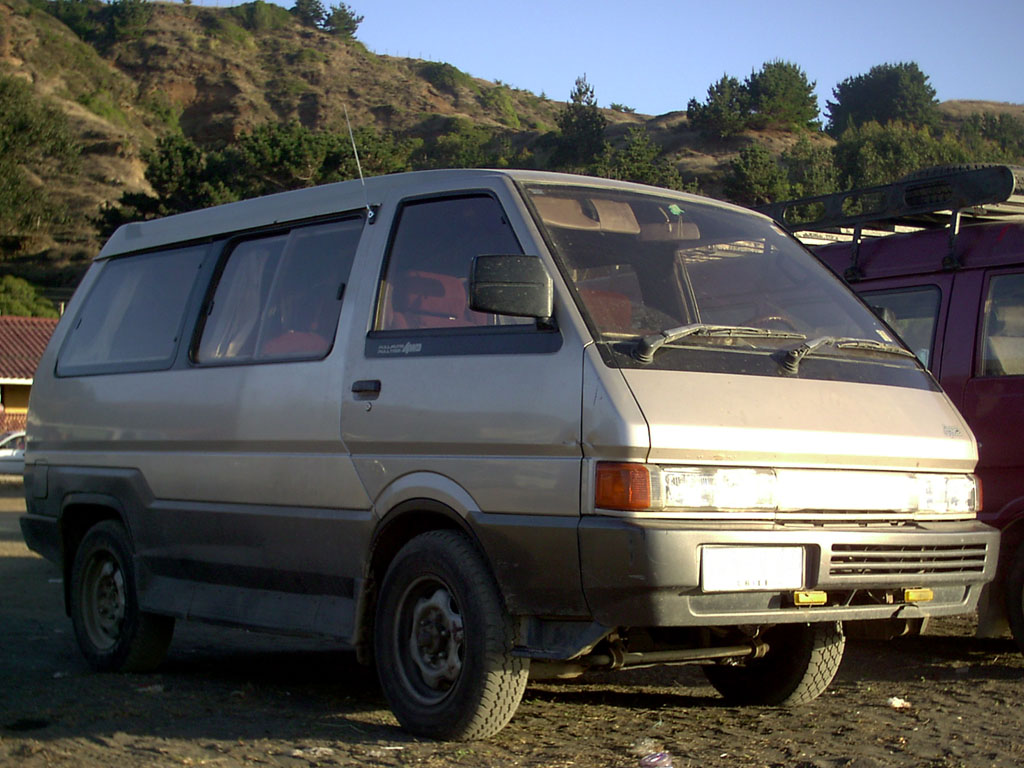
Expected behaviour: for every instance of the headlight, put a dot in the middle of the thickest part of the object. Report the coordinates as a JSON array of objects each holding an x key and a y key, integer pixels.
[
  {"x": 726, "y": 488},
  {"x": 948, "y": 495},
  {"x": 740, "y": 493}
]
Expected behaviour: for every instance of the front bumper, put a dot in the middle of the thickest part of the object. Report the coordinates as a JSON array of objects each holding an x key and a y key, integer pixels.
[{"x": 647, "y": 573}]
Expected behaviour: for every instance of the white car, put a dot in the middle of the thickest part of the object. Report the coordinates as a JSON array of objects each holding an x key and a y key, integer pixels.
[{"x": 12, "y": 453}]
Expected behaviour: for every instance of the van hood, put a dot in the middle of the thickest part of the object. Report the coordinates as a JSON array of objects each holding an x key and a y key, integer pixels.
[{"x": 710, "y": 418}]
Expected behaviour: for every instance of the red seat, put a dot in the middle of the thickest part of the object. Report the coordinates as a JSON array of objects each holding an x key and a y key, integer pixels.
[
  {"x": 612, "y": 311},
  {"x": 430, "y": 300}
]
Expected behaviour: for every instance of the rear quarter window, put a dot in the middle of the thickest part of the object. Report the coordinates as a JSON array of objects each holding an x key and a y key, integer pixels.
[{"x": 132, "y": 318}]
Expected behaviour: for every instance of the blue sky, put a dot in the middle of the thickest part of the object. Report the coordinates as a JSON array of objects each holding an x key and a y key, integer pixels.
[{"x": 655, "y": 55}]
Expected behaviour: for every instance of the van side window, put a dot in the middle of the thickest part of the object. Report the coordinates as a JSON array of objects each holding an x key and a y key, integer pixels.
[
  {"x": 132, "y": 317},
  {"x": 1002, "y": 349},
  {"x": 912, "y": 313},
  {"x": 428, "y": 266},
  {"x": 278, "y": 297}
]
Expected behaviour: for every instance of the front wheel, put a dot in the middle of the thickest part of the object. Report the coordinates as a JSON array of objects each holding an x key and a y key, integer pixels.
[
  {"x": 113, "y": 634},
  {"x": 801, "y": 662},
  {"x": 443, "y": 641}
]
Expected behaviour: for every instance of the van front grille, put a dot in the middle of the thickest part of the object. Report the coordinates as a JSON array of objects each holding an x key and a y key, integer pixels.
[{"x": 852, "y": 560}]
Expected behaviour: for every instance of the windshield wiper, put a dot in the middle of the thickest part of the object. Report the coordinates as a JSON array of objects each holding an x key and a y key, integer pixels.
[
  {"x": 648, "y": 345},
  {"x": 791, "y": 363}
]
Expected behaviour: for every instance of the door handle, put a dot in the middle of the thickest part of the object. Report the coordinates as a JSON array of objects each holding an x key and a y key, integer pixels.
[{"x": 366, "y": 389}]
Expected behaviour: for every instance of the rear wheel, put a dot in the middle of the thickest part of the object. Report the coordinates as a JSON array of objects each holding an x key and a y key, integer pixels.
[
  {"x": 113, "y": 634},
  {"x": 1015, "y": 598},
  {"x": 443, "y": 641},
  {"x": 801, "y": 662}
]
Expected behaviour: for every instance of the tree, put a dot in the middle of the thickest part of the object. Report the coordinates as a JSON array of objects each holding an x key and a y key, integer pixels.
[
  {"x": 810, "y": 169},
  {"x": 756, "y": 178},
  {"x": 878, "y": 154},
  {"x": 462, "y": 145},
  {"x": 273, "y": 157},
  {"x": 81, "y": 16},
  {"x": 780, "y": 94},
  {"x": 310, "y": 13},
  {"x": 725, "y": 111},
  {"x": 638, "y": 161},
  {"x": 127, "y": 19},
  {"x": 342, "y": 21},
  {"x": 887, "y": 93},
  {"x": 19, "y": 297},
  {"x": 993, "y": 138},
  {"x": 32, "y": 134},
  {"x": 582, "y": 126}
]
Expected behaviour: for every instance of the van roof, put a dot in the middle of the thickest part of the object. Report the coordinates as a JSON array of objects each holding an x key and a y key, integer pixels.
[
  {"x": 324, "y": 200},
  {"x": 930, "y": 252}
]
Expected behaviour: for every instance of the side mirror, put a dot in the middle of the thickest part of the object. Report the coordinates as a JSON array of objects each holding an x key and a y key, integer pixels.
[{"x": 511, "y": 285}]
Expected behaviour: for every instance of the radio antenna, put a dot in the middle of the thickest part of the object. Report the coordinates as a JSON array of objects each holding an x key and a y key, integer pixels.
[{"x": 359, "y": 166}]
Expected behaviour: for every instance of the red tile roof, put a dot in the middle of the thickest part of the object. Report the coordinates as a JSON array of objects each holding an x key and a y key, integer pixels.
[{"x": 22, "y": 342}]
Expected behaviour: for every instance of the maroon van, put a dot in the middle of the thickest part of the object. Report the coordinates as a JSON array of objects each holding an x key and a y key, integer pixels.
[{"x": 939, "y": 256}]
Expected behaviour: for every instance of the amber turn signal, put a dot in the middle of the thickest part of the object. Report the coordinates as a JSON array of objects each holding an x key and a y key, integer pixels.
[{"x": 622, "y": 486}]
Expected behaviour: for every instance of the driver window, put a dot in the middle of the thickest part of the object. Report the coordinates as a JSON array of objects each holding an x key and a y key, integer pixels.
[{"x": 427, "y": 278}]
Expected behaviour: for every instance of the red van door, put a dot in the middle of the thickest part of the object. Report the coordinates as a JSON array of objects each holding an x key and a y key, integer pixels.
[{"x": 993, "y": 396}]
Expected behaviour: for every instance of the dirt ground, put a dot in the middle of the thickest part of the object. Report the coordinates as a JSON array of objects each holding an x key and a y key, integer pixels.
[{"x": 230, "y": 698}]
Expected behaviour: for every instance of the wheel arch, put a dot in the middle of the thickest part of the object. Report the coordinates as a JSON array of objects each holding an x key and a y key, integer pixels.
[
  {"x": 80, "y": 512},
  {"x": 400, "y": 525}
]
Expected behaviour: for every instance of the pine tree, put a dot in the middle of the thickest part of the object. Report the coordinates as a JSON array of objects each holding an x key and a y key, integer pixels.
[
  {"x": 582, "y": 126},
  {"x": 887, "y": 93}
]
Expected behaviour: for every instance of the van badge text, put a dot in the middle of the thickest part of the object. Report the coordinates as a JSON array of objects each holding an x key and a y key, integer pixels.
[{"x": 408, "y": 348}]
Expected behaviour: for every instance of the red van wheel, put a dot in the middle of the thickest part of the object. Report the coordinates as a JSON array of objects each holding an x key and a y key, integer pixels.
[{"x": 1015, "y": 598}]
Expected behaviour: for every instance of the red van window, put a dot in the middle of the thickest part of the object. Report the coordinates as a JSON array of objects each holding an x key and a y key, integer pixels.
[
  {"x": 1002, "y": 352},
  {"x": 912, "y": 313}
]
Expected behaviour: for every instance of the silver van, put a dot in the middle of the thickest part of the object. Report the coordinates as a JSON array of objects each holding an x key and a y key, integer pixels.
[{"x": 478, "y": 425}]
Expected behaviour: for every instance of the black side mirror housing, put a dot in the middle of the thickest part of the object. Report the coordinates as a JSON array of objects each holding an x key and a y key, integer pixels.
[{"x": 511, "y": 285}]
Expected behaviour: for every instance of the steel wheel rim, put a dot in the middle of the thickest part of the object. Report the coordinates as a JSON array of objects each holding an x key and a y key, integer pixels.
[
  {"x": 429, "y": 640},
  {"x": 103, "y": 600}
]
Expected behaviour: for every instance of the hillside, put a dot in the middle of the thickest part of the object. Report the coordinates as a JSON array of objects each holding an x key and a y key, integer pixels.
[{"x": 216, "y": 73}]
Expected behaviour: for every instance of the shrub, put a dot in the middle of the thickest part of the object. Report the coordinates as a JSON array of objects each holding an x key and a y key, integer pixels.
[
  {"x": 259, "y": 16},
  {"x": 444, "y": 76},
  {"x": 500, "y": 100},
  {"x": 756, "y": 178},
  {"x": 19, "y": 297}
]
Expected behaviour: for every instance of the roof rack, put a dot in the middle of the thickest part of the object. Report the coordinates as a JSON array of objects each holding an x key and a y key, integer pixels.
[
  {"x": 925, "y": 199},
  {"x": 933, "y": 198}
]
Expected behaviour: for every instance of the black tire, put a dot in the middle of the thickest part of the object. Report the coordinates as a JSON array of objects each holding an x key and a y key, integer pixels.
[
  {"x": 453, "y": 678},
  {"x": 801, "y": 662},
  {"x": 1014, "y": 593},
  {"x": 113, "y": 634}
]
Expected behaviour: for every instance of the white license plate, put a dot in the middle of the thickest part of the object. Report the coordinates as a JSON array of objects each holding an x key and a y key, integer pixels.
[{"x": 746, "y": 569}]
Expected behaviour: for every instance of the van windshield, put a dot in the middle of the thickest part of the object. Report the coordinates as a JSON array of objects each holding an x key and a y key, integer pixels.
[{"x": 646, "y": 265}]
